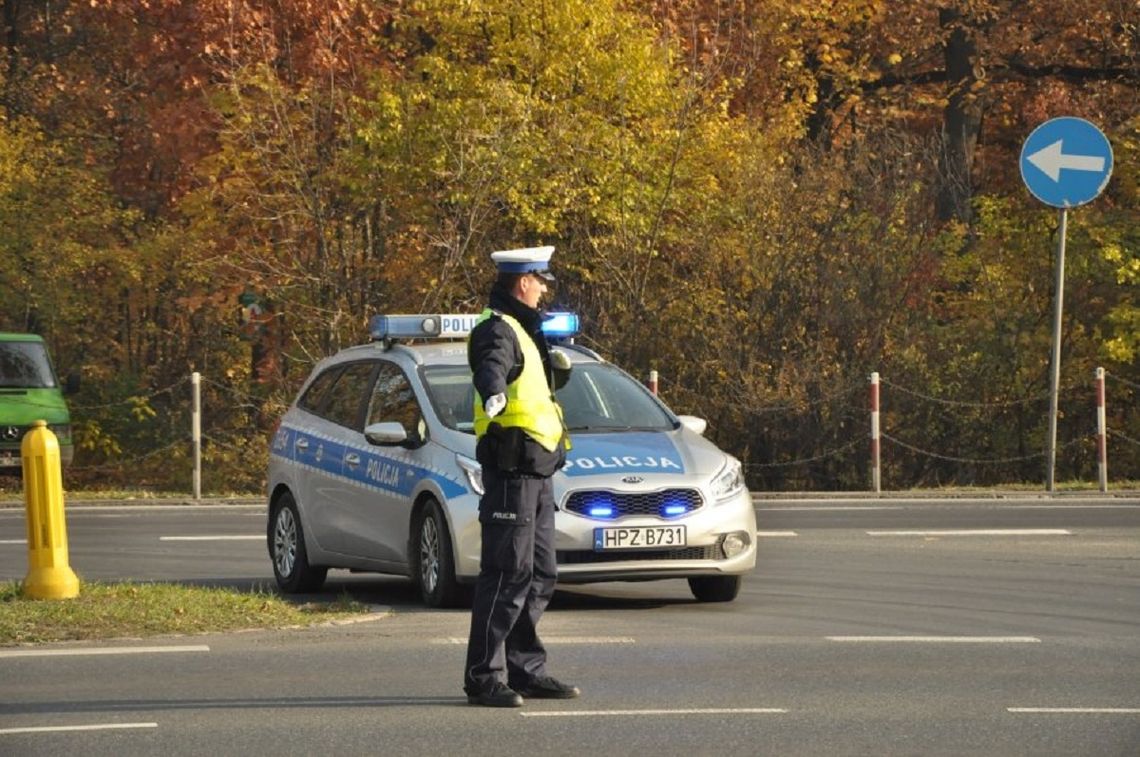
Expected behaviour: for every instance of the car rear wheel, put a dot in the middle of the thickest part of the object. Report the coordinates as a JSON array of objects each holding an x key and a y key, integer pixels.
[
  {"x": 434, "y": 567},
  {"x": 715, "y": 588},
  {"x": 291, "y": 565}
]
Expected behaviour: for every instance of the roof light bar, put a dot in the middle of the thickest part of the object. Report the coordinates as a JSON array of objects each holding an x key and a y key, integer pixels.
[
  {"x": 442, "y": 326},
  {"x": 455, "y": 325}
]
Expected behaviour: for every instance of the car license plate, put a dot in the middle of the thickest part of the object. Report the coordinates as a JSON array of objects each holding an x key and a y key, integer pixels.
[
  {"x": 639, "y": 537},
  {"x": 8, "y": 460}
]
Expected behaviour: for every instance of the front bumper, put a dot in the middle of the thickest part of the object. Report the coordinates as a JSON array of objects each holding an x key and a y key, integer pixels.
[
  {"x": 578, "y": 562},
  {"x": 703, "y": 553}
]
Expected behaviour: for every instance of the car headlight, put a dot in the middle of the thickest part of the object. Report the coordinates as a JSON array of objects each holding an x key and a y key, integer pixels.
[
  {"x": 474, "y": 472},
  {"x": 729, "y": 481}
]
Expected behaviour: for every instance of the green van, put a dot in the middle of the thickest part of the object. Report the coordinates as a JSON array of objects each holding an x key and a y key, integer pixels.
[{"x": 30, "y": 391}]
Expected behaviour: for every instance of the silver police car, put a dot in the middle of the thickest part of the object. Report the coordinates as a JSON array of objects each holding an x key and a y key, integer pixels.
[{"x": 372, "y": 468}]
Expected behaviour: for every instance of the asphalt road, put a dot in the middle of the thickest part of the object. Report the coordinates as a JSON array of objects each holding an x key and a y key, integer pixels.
[{"x": 875, "y": 627}]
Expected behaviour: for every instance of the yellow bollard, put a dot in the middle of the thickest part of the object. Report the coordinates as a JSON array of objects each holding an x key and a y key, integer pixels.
[{"x": 49, "y": 575}]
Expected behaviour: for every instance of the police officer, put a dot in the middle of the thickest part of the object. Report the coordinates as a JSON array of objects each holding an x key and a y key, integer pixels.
[{"x": 522, "y": 442}]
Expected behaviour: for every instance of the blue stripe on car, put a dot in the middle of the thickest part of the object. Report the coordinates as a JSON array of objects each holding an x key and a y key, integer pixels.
[{"x": 374, "y": 471}]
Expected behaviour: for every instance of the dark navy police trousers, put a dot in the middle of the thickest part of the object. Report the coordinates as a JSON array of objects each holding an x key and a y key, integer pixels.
[{"x": 517, "y": 573}]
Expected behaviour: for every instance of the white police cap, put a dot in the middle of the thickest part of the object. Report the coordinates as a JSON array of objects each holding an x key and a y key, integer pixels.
[{"x": 527, "y": 260}]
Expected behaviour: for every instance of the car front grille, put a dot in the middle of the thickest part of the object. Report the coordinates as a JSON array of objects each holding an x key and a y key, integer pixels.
[
  {"x": 606, "y": 505},
  {"x": 586, "y": 556}
]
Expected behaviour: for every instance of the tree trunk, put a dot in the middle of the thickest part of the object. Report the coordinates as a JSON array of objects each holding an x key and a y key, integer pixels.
[{"x": 962, "y": 119}]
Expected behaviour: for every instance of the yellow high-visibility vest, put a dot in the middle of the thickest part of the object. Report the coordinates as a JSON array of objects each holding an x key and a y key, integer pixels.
[{"x": 530, "y": 402}]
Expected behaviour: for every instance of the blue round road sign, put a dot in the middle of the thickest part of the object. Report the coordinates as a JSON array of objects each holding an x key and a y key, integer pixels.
[{"x": 1066, "y": 162}]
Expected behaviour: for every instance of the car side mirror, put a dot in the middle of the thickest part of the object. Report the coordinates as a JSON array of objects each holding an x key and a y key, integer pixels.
[
  {"x": 386, "y": 433},
  {"x": 71, "y": 384},
  {"x": 694, "y": 424}
]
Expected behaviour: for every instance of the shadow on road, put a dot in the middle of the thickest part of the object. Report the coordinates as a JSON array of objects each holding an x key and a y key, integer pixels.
[
  {"x": 156, "y": 705},
  {"x": 402, "y": 595}
]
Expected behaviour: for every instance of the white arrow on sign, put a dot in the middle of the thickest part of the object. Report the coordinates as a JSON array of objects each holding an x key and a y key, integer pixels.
[{"x": 1051, "y": 160}]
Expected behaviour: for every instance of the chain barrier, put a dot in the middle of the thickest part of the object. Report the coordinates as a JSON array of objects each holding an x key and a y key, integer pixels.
[
  {"x": 134, "y": 397},
  {"x": 830, "y": 453},
  {"x": 825, "y": 399},
  {"x": 125, "y": 461},
  {"x": 224, "y": 445},
  {"x": 1122, "y": 380},
  {"x": 996, "y": 460},
  {"x": 962, "y": 403},
  {"x": 248, "y": 401},
  {"x": 1125, "y": 437}
]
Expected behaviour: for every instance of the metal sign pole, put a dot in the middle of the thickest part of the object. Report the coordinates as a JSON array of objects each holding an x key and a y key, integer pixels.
[
  {"x": 1058, "y": 307},
  {"x": 1065, "y": 162}
]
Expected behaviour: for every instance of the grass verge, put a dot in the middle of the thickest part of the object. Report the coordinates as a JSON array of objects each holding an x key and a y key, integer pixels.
[{"x": 116, "y": 610}]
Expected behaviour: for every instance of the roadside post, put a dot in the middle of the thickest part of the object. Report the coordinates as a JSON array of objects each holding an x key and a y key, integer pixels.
[
  {"x": 653, "y": 382},
  {"x": 196, "y": 430},
  {"x": 1065, "y": 162},
  {"x": 876, "y": 462},
  {"x": 49, "y": 573},
  {"x": 1101, "y": 432}
]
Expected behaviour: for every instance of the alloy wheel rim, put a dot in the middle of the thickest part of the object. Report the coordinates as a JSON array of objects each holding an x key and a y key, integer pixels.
[
  {"x": 429, "y": 554},
  {"x": 285, "y": 542}
]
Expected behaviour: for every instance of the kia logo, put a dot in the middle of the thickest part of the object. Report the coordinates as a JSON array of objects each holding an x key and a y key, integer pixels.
[{"x": 632, "y": 480}]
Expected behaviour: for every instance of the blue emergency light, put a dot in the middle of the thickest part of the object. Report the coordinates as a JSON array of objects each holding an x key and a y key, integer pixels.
[{"x": 560, "y": 325}]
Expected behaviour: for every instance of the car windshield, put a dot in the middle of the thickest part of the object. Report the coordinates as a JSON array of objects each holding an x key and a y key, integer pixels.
[
  {"x": 598, "y": 397},
  {"x": 25, "y": 365}
]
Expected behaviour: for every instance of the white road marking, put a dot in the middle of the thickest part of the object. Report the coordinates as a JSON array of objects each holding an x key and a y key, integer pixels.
[
  {"x": 74, "y": 509},
  {"x": 942, "y": 639},
  {"x": 13, "y": 541},
  {"x": 557, "y": 640},
  {"x": 610, "y": 713},
  {"x": 770, "y": 534},
  {"x": 95, "y": 727},
  {"x": 85, "y": 651},
  {"x": 828, "y": 508},
  {"x": 979, "y": 532},
  {"x": 1075, "y": 710},
  {"x": 927, "y": 505},
  {"x": 216, "y": 537}
]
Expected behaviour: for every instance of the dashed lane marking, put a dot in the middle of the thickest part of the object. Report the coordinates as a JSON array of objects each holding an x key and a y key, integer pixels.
[
  {"x": 557, "y": 640},
  {"x": 979, "y": 532},
  {"x": 775, "y": 534},
  {"x": 1074, "y": 710},
  {"x": 940, "y": 639},
  {"x": 88, "y": 651},
  {"x": 93, "y": 727},
  {"x": 215, "y": 537},
  {"x": 628, "y": 713}
]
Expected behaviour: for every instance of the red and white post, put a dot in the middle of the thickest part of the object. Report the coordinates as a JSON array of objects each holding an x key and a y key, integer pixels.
[
  {"x": 876, "y": 468},
  {"x": 1101, "y": 432},
  {"x": 653, "y": 382}
]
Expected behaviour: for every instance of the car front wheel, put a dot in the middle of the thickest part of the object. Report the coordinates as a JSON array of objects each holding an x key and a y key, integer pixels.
[
  {"x": 715, "y": 588},
  {"x": 291, "y": 565},
  {"x": 434, "y": 566}
]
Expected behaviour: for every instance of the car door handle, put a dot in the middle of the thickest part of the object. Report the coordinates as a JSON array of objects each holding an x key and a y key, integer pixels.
[
  {"x": 301, "y": 444},
  {"x": 352, "y": 459}
]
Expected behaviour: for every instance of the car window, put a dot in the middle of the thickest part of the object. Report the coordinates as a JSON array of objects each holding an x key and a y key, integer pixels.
[
  {"x": 346, "y": 398},
  {"x": 598, "y": 397},
  {"x": 394, "y": 400},
  {"x": 601, "y": 397},
  {"x": 315, "y": 395},
  {"x": 25, "y": 365},
  {"x": 452, "y": 395}
]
